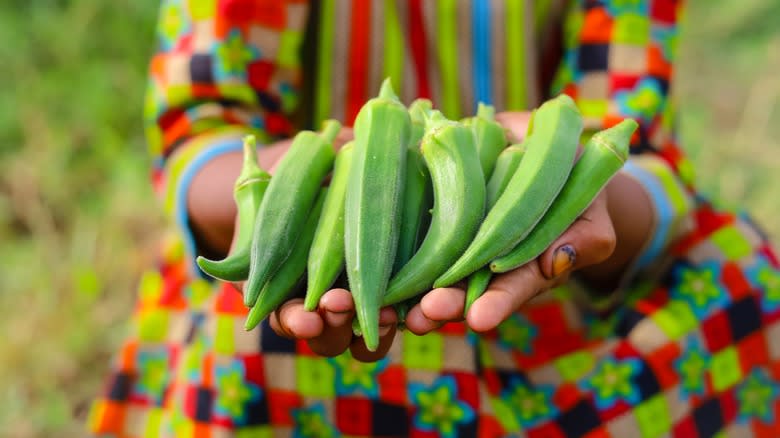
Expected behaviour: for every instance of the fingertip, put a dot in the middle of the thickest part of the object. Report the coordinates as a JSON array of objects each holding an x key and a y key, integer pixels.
[
  {"x": 444, "y": 304},
  {"x": 337, "y": 301},
  {"x": 418, "y": 323},
  {"x": 487, "y": 312},
  {"x": 302, "y": 324}
]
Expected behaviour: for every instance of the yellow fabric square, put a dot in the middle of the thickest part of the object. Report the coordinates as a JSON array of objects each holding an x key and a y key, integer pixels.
[{"x": 725, "y": 369}]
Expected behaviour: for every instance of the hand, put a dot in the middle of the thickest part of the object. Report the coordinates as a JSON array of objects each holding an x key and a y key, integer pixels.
[
  {"x": 328, "y": 331},
  {"x": 589, "y": 241}
]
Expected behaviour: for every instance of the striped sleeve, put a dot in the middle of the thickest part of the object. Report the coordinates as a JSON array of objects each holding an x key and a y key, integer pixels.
[
  {"x": 222, "y": 69},
  {"x": 618, "y": 62}
]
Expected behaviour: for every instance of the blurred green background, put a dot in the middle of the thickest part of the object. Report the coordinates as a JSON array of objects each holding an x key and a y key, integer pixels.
[{"x": 78, "y": 219}]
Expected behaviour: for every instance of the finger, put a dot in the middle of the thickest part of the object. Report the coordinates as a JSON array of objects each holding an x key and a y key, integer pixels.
[
  {"x": 387, "y": 329},
  {"x": 504, "y": 295},
  {"x": 444, "y": 304},
  {"x": 336, "y": 309},
  {"x": 292, "y": 321},
  {"x": 589, "y": 240},
  {"x": 515, "y": 123}
]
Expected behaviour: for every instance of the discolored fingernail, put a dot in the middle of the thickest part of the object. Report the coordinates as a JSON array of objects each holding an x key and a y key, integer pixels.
[
  {"x": 337, "y": 319},
  {"x": 563, "y": 259},
  {"x": 384, "y": 329}
]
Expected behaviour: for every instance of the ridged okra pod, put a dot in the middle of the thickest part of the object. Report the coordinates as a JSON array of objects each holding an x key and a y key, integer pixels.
[
  {"x": 458, "y": 206},
  {"x": 284, "y": 280},
  {"x": 372, "y": 215},
  {"x": 287, "y": 203}
]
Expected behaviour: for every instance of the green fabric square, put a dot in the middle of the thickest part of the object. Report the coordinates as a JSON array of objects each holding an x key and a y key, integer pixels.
[
  {"x": 676, "y": 319},
  {"x": 725, "y": 369},
  {"x": 178, "y": 93},
  {"x": 316, "y": 377},
  {"x": 152, "y": 325},
  {"x": 593, "y": 107},
  {"x": 202, "y": 9},
  {"x": 423, "y": 352},
  {"x": 224, "y": 342},
  {"x": 731, "y": 242},
  {"x": 255, "y": 432},
  {"x": 289, "y": 42},
  {"x": 238, "y": 92},
  {"x": 505, "y": 415},
  {"x": 631, "y": 29},
  {"x": 574, "y": 366},
  {"x": 653, "y": 417},
  {"x": 153, "y": 423}
]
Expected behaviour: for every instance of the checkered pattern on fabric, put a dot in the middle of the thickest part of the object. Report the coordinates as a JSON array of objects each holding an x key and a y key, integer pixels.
[{"x": 693, "y": 350}]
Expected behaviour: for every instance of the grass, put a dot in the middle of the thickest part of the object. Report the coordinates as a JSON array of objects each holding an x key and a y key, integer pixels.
[{"x": 77, "y": 216}]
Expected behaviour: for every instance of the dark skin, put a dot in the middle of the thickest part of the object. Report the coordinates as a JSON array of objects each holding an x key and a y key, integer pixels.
[{"x": 605, "y": 239}]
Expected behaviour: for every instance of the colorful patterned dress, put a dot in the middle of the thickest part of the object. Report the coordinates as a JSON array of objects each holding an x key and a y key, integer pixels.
[{"x": 687, "y": 346}]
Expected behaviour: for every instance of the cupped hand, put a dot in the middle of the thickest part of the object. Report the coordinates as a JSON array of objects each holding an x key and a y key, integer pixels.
[{"x": 587, "y": 242}]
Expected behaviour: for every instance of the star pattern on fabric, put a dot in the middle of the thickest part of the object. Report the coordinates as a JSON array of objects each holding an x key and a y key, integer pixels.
[
  {"x": 698, "y": 287},
  {"x": 517, "y": 333},
  {"x": 530, "y": 405},
  {"x": 770, "y": 280},
  {"x": 612, "y": 380},
  {"x": 154, "y": 369},
  {"x": 644, "y": 101},
  {"x": 232, "y": 55},
  {"x": 234, "y": 392},
  {"x": 621, "y": 7},
  {"x": 691, "y": 367},
  {"x": 173, "y": 23},
  {"x": 353, "y": 375},
  {"x": 311, "y": 422},
  {"x": 438, "y": 408},
  {"x": 757, "y": 396}
]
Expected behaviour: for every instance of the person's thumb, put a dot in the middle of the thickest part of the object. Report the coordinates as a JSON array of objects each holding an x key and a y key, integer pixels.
[{"x": 588, "y": 241}]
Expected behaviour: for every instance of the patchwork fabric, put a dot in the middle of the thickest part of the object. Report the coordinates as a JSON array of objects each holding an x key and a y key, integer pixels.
[{"x": 690, "y": 349}]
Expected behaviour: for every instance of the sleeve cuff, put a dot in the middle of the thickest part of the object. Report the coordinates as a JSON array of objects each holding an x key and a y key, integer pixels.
[{"x": 182, "y": 167}]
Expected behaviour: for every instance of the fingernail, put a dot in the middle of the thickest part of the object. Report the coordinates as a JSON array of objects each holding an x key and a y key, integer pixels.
[
  {"x": 337, "y": 319},
  {"x": 384, "y": 329},
  {"x": 563, "y": 259}
]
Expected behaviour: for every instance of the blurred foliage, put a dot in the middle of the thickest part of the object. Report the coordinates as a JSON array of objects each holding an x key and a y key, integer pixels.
[{"x": 78, "y": 219}]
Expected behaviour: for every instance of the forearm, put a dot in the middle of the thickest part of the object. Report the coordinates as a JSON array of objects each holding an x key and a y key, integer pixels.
[{"x": 210, "y": 204}]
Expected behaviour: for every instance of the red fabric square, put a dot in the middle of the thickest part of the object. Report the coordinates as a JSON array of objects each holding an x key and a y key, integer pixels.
[
  {"x": 549, "y": 430},
  {"x": 664, "y": 11},
  {"x": 489, "y": 427},
  {"x": 548, "y": 319},
  {"x": 353, "y": 415},
  {"x": 685, "y": 429},
  {"x": 254, "y": 369},
  {"x": 753, "y": 351},
  {"x": 392, "y": 385},
  {"x": 717, "y": 332},
  {"x": 624, "y": 350},
  {"x": 729, "y": 406},
  {"x": 618, "y": 82},
  {"x": 271, "y": 13},
  {"x": 661, "y": 362},
  {"x": 277, "y": 124},
  {"x": 763, "y": 430},
  {"x": 597, "y": 27},
  {"x": 736, "y": 283},
  {"x": 468, "y": 388},
  {"x": 492, "y": 382},
  {"x": 259, "y": 74},
  {"x": 566, "y": 396},
  {"x": 281, "y": 405},
  {"x": 657, "y": 65},
  {"x": 229, "y": 301}
]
